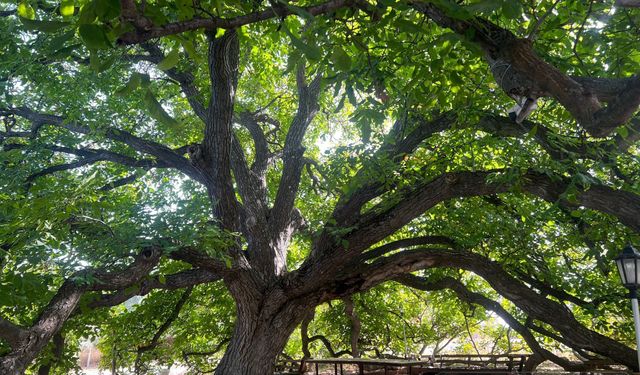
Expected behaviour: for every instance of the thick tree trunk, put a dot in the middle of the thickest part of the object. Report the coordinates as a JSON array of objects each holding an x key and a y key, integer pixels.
[
  {"x": 263, "y": 326},
  {"x": 252, "y": 351}
]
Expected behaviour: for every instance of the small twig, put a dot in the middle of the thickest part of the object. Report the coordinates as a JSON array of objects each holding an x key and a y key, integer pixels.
[
  {"x": 579, "y": 33},
  {"x": 533, "y": 32}
]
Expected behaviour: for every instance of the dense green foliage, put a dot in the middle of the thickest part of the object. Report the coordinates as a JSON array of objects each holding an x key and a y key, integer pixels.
[{"x": 378, "y": 67}]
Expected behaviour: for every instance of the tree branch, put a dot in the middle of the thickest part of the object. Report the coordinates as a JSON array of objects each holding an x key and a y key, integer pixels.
[
  {"x": 281, "y": 219},
  {"x": 164, "y": 154},
  {"x": 186, "y": 355},
  {"x": 90, "y": 156},
  {"x": 354, "y": 277},
  {"x": 214, "y": 158},
  {"x": 120, "y": 182},
  {"x": 466, "y": 295},
  {"x": 628, "y": 3},
  {"x": 405, "y": 244},
  {"x": 180, "y": 280},
  {"x": 327, "y": 344},
  {"x": 11, "y": 333},
  {"x": 416, "y": 200},
  {"x": 350, "y": 311},
  {"x": 521, "y": 73},
  {"x": 213, "y": 23},
  {"x": 261, "y": 160},
  {"x": 347, "y": 209},
  {"x": 55, "y": 314},
  {"x": 199, "y": 259},
  {"x": 184, "y": 79},
  {"x": 155, "y": 340},
  {"x": 293, "y": 161}
]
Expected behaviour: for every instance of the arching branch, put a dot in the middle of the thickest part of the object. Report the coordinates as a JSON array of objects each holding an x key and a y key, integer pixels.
[
  {"x": 476, "y": 298},
  {"x": 180, "y": 280},
  {"x": 213, "y": 23},
  {"x": 354, "y": 277},
  {"x": 327, "y": 344},
  {"x": 64, "y": 302},
  {"x": 165, "y": 155},
  {"x": 520, "y": 72},
  {"x": 187, "y": 354},
  {"x": 381, "y": 221}
]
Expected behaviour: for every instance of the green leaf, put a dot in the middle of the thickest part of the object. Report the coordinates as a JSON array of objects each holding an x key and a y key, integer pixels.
[
  {"x": 26, "y": 11},
  {"x": 341, "y": 59},
  {"x": 107, "y": 9},
  {"x": 407, "y": 26},
  {"x": 94, "y": 37},
  {"x": 455, "y": 10},
  {"x": 217, "y": 5},
  {"x": 87, "y": 13},
  {"x": 170, "y": 60},
  {"x": 299, "y": 11},
  {"x": 94, "y": 62},
  {"x": 64, "y": 51},
  {"x": 351, "y": 95},
  {"x": 44, "y": 26},
  {"x": 623, "y": 131},
  {"x": 67, "y": 7},
  {"x": 155, "y": 110},
  {"x": 190, "y": 48},
  {"x": 310, "y": 50},
  {"x": 511, "y": 9},
  {"x": 135, "y": 81},
  {"x": 58, "y": 41}
]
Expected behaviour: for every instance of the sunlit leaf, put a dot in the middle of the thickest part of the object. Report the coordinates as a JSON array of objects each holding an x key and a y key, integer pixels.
[{"x": 170, "y": 61}]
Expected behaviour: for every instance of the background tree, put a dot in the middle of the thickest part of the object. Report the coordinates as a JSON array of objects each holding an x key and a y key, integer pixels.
[{"x": 287, "y": 155}]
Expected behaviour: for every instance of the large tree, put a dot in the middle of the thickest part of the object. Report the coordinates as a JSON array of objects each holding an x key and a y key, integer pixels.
[{"x": 301, "y": 152}]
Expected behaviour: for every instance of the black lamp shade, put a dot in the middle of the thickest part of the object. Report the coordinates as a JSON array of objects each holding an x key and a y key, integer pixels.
[{"x": 629, "y": 267}]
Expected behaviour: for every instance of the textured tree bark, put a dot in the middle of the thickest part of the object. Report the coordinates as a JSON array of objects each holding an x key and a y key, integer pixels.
[
  {"x": 252, "y": 351},
  {"x": 263, "y": 325}
]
